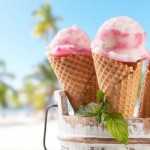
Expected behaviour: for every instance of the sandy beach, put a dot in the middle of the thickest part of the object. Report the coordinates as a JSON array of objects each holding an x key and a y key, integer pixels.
[{"x": 27, "y": 135}]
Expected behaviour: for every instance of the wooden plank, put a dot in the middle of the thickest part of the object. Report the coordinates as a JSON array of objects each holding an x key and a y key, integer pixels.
[
  {"x": 61, "y": 99},
  {"x": 78, "y": 133},
  {"x": 82, "y": 146},
  {"x": 87, "y": 127},
  {"x": 103, "y": 140}
]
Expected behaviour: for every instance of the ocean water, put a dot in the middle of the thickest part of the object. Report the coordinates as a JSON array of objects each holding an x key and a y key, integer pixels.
[
  {"x": 14, "y": 112},
  {"x": 28, "y": 110}
]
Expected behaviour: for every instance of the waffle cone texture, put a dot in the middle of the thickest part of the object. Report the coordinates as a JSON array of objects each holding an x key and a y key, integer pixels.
[
  {"x": 144, "y": 108},
  {"x": 119, "y": 81},
  {"x": 77, "y": 76}
]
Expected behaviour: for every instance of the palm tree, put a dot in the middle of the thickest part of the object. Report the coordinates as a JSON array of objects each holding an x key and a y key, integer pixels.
[
  {"x": 5, "y": 88},
  {"x": 40, "y": 86},
  {"x": 47, "y": 21},
  {"x": 34, "y": 97}
]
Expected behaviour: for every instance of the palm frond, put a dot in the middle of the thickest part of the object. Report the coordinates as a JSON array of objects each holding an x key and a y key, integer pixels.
[
  {"x": 3, "y": 100},
  {"x": 2, "y": 63},
  {"x": 47, "y": 22},
  {"x": 43, "y": 73},
  {"x": 48, "y": 10},
  {"x": 7, "y": 86},
  {"x": 2, "y": 66},
  {"x": 38, "y": 13}
]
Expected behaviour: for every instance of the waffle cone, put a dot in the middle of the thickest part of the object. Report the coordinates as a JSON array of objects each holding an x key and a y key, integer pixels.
[
  {"x": 144, "y": 109},
  {"x": 77, "y": 76},
  {"x": 119, "y": 81}
]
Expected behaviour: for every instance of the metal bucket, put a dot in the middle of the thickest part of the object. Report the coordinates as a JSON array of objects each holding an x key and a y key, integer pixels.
[{"x": 80, "y": 133}]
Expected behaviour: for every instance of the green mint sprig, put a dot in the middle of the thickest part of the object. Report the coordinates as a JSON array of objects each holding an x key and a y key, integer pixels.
[{"x": 114, "y": 121}]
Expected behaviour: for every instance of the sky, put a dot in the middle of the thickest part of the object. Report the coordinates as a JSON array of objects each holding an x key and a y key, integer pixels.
[{"x": 21, "y": 51}]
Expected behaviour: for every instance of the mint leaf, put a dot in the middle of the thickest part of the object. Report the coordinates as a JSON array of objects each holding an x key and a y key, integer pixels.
[
  {"x": 115, "y": 122},
  {"x": 89, "y": 110},
  {"x": 104, "y": 116},
  {"x": 100, "y": 96},
  {"x": 117, "y": 126},
  {"x": 106, "y": 106}
]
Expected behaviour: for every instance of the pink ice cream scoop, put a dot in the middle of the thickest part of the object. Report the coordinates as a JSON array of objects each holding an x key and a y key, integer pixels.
[
  {"x": 70, "y": 41},
  {"x": 122, "y": 39}
]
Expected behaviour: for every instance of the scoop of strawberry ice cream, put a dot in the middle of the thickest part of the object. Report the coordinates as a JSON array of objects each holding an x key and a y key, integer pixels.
[
  {"x": 70, "y": 41},
  {"x": 122, "y": 39}
]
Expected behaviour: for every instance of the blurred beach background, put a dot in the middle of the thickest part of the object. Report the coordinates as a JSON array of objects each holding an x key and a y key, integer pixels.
[{"x": 27, "y": 81}]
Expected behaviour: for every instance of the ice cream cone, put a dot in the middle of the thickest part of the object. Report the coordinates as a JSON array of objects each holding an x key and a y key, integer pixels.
[
  {"x": 144, "y": 108},
  {"x": 119, "y": 81},
  {"x": 76, "y": 74}
]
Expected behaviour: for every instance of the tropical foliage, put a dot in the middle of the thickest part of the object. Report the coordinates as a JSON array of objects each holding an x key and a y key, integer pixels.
[
  {"x": 7, "y": 93},
  {"x": 40, "y": 85},
  {"x": 46, "y": 24}
]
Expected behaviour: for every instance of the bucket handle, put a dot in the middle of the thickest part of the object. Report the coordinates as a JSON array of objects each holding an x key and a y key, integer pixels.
[{"x": 45, "y": 124}]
